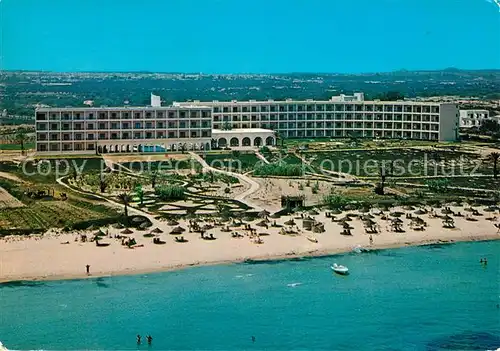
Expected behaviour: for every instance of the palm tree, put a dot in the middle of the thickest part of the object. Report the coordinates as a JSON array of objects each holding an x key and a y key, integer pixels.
[
  {"x": 125, "y": 199},
  {"x": 494, "y": 157},
  {"x": 21, "y": 138},
  {"x": 140, "y": 193}
]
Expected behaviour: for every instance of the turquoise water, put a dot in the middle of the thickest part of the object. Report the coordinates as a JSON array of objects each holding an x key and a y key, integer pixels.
[{"x": 419, "y": 298}]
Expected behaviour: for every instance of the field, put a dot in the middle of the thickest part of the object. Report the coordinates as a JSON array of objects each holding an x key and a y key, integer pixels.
[
  {"x": 8, "y": 201},
  {"x": 42, "y": 215}
]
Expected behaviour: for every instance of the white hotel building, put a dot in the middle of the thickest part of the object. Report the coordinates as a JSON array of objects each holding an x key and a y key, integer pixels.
[{"x": 202, "y": 125}]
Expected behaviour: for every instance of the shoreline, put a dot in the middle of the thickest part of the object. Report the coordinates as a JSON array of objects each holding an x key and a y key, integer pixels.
[{"x": 256, "y": 258}]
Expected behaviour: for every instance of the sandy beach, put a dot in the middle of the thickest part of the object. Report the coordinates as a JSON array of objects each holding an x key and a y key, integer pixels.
[{"x": 58, "y": 256}]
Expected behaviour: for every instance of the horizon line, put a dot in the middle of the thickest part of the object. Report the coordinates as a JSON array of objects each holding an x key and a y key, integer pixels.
[{"x": 448, "y": 69}]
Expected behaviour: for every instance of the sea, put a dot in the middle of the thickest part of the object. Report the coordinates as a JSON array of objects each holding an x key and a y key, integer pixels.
[{"x": 435, "y": 297}]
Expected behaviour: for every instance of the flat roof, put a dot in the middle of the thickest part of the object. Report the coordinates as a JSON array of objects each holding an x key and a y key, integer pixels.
[
  {"x": 243, "y": 130},
  {"x": 284, "y": 102},
  {"x": 122, "y": 108}
]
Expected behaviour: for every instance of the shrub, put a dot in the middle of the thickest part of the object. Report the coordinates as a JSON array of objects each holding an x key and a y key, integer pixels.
[
  {"x": 438, "y": 185},
  {"x": 278, "y": 169},
  {"x": 170, "y": 192},
  {"x": 335, "y": 201}
]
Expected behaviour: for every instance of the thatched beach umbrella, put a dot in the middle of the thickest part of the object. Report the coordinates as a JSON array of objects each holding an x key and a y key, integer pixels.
[
  {"x": 318, "y": 228},
  {"x": 368, "y": 222},
  {"x": 157, "y": 231},
  {"x": 313, "y": 212},
  {"x": 446, "y": 211},
  {"x": 172, "y": 222},
  {"x": 367, "y": 217},
  {"x": 290, "y": 222},
  {"x": 345, "y": 219},
  {"x": 420, "y": 211},
  {"x": 262, "y": 224},
  {"x": 126, "y": 231},
  {"x": 408, "y": 208},
  {"x": 99, "y": 233},
  {"x": 264, "y": 214},
  {"x": 177, "y": 230},
  {"x": 491, "y": 208},
  {"x": 447, "y": 218},
  {"x": 396, "y": 220},
  {"x": 346, "y": 226}
]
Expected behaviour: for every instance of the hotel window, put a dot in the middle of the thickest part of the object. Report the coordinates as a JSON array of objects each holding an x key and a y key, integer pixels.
[
  {"x": 102, "y": 126},
  {"x": 182, "y": 114},
  {"x": 102, "y": 136}
]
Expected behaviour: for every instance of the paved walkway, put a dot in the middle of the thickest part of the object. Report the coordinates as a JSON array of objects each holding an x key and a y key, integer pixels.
[
  {"x": 260, "y": 156},
  {"x": 254, "y": 186}
]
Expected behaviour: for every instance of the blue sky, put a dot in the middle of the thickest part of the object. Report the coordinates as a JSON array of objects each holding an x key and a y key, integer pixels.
[{"x": 255, "y": 36}]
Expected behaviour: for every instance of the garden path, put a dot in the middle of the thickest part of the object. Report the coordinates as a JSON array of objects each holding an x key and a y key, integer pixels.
[{"x": 243, "y": 197}]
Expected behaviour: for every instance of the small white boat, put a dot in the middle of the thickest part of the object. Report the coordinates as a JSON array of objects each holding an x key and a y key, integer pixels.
[
  {"x": 2, "y": 347},
  {"x": 339, "y": 269},
  {"x": 312, "y": 238}
]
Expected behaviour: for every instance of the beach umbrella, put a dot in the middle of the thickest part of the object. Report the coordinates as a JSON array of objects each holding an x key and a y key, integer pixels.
[
  {"x": 319, "y": 228},
  {"x": 262, "y": 224},
  {"x": 172, "y": 222},
  {"x": 491, "y": 208},
  {"x": 264, "y": 214},
  {"x": 446, "y": 211},
  {"x": 290, "y": 222},
  {"x": 396, "y": 214},
  {"x": 368, "y": 222},
  {"x": 364, "y": 210},
  {"x": 367, "y": 217},
  {"x": 346, "y": 226},
  {"x": 206, "y": 227},
  {"x": 420, "y": 211},
  {"x": 177, "y": 230},
  {"x": 313, "y": 212},
  {"x": 447, "y": 218},
  {"x": 417, "y": 220},
  {"x": 345, "y": 219},
  {"x": 408, "y": 208},
  {"x": 126, "y": 231},
  {"x": 336, "y": 211},
  {"x": 145, "y": 225},
  {"x": 157, "y": 231},
  {"x": 100, "y": 233},
  {"x": 397, "y": 220}
]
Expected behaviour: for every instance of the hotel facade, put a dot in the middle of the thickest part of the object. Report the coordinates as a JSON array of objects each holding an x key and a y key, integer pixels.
[{"x": 197, "y": 125}]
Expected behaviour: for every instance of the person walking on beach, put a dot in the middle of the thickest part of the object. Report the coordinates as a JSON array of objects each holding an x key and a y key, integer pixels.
[
  {"x": 88, "y": 269},
  {"x": 371, "y": 239}
]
